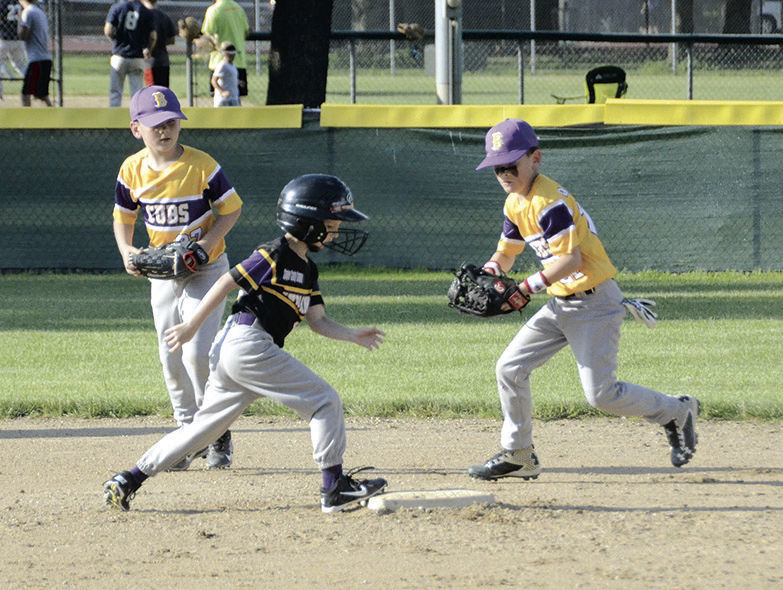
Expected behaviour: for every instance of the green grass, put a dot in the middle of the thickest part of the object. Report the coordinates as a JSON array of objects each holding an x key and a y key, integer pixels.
[
  {"x": 86, "y": 347},
  {"x": 87, "y": 75}
]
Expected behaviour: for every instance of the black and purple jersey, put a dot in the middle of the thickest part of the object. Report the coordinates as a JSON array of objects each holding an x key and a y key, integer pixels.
[{"x": 279, "y": 287}]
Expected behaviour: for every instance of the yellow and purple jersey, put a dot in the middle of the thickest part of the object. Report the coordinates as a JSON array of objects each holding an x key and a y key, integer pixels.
[
  {"x": 177, "y": 200},
  {"x": 551, "y": 222}
]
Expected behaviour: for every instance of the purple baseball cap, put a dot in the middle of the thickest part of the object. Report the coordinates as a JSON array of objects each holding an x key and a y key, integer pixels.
[
  {"x": 506, "y": 142},
  {"x": 154, "y": 105}
]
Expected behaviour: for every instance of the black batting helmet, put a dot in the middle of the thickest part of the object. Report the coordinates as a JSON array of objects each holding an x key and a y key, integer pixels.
[{"x": 306, "y": 201}]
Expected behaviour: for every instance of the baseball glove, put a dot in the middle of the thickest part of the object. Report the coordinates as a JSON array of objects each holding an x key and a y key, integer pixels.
[
  {"x": 189, "y": 28},
  {"x": 477, "y": 292},
  {"x": 170, "y": 261},
  {"x": 412, "y": 31}
]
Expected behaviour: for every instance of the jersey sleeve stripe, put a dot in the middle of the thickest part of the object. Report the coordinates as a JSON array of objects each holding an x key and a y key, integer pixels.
[
  {"x": 246, "y": 276},
  {"x": 511, "y": 232},
  {"x": 556, "y": 220},
  {"x": 170, "y": 200}
]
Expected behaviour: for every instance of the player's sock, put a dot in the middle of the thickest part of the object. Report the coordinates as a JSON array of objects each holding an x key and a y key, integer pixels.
[
  {"x": 330, "y": 476},
  {"x": 138, "y": 475}
]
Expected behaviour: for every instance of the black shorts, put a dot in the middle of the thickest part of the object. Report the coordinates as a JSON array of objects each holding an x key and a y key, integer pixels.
[
  {"x": 36, "y": 78},
  {"x": 242, "y": 82}
]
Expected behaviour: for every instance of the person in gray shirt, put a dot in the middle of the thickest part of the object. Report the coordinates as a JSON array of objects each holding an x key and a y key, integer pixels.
[{"x": 34, "y": 31}]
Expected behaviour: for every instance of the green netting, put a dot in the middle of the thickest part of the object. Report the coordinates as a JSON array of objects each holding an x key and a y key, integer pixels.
[{"x": 671, "y": 199}]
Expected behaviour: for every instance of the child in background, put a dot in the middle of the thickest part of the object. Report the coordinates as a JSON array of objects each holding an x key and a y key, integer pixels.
[{"x": 225, "y": 78}]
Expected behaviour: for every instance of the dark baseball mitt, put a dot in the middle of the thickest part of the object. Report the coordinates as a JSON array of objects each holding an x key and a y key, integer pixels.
[
  {"x": 477, "y": 292},
  {"x": 189, "y": 28},
  {"x": 170, "y": 261}
]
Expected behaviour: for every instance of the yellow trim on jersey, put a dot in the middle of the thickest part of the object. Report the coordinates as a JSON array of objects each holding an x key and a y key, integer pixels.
[
  {"x": 548, "y": 202},
  {"x": 282, "y": 297},
  {"x": 291, "y": 288},
  {"x": 246, "y": 276}
]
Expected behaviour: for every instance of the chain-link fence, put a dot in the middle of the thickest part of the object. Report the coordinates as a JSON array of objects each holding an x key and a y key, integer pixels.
[
  {"x": 671, "y": 199},
  {"x": 498, "y": 71}
]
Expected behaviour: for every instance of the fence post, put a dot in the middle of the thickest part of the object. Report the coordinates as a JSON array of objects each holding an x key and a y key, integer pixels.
[
  {"x": 755, "y": 198},
  {"x": 392, "y": 44},
  {"x": 189, "y": 70},
  {"x": 690, "y": 70},
  {"x": 521, "y": 70},
  {"x": 448, "y": 51},
  {"x": 352, "y": 69}
]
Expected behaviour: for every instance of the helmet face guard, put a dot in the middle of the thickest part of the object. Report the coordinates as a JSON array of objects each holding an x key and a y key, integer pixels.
[{"x": 347, "y": 241}]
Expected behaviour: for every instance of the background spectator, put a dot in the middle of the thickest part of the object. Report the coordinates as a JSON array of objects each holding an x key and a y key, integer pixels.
[
  {"x": 166, "y": 32},
  {"x": 224, "y": 21},
  {"x": 131, "y": 26},
  {"x": 11, "y": 48},
  {"x": 225, "y": 79},
  {"x": 34, "y": 31}
]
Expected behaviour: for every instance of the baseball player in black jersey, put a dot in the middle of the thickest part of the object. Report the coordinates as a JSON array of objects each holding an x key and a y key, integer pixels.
[{"x": 278, "y": 288}]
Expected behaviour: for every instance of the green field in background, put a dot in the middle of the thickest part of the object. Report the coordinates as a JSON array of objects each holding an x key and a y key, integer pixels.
[
  {"x": 87, "y": 347},
  {"x": 87, "y": 75}
]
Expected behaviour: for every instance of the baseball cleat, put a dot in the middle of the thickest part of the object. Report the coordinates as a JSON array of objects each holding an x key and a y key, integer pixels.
[
  {"x": 185, "y": 462},
  {"x": 120, "y": 490},
  {"x": 350, "y": 491},
  {"x": 681, "y": 431},
  {"x": 519, "y": 463},
  {"x": 221, "y": 452}
]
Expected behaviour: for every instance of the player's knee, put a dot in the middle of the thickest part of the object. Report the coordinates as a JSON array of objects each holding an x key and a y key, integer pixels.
[
  {"x": 602, "y": 396},
  {"x": 510, "y": 371}
]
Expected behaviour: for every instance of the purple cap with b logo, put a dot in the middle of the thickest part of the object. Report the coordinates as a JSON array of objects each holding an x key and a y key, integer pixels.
[
  {"x": 508, "y": 141},
  {"x": 154, "y": 105}
]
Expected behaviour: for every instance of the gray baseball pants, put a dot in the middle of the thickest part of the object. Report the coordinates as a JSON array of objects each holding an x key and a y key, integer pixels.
[
  {"x": 590, "y": 325},
  {"x": 186, "y": 371},
  {"x": 245, "y": 364}
]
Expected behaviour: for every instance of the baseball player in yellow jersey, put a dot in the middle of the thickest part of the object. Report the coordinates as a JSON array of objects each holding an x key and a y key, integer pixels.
[
  {"x": 585, "y": 311},
  {"x": 177, "y": 188}
]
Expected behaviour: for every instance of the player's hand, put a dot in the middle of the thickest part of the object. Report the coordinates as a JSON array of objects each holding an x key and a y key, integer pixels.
[
  {"x": 492, "y": 267},
  {"x": 178, "y": 335},
  {"x": 126, "y": 256},
  {"x": 369, "y": 338}
]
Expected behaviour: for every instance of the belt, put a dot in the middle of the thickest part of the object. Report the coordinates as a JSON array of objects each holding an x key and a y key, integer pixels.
[
  {"x": 245, "y": 318},
  {"x": 576, "y": 295}
]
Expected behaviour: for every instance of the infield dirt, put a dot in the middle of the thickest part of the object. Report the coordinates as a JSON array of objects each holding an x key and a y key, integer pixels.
[{"x": 608, "y": 511}]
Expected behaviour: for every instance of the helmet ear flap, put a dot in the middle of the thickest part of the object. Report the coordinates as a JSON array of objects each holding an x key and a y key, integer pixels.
[
  {"x": 316, "y": 231},
  {"x": 305, "y": 229}
]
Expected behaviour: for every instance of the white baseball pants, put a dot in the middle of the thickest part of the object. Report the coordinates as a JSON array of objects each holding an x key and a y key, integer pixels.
[
  {"x": 186, "y": 371},
  {"x": 246, "y": 364},
  {"x": 590, "y": 325}
]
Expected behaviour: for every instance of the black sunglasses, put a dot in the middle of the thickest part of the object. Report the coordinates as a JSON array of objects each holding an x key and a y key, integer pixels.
[{"x": 503, "y": 169}]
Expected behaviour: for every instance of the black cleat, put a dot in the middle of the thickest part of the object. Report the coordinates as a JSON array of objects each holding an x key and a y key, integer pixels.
[{"x": 681, "y": 431}]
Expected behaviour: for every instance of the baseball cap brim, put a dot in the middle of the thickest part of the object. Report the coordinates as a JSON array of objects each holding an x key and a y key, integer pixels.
[
  {"x": 155, "y": 119},
  {"x": 501, "y": 159}
]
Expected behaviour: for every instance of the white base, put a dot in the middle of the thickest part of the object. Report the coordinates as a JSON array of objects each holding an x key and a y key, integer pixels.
[{"x": 428, "y": 499}]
